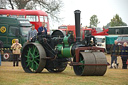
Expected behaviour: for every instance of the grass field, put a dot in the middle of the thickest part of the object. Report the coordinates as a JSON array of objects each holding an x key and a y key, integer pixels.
[{"x": 10, "y": 75}]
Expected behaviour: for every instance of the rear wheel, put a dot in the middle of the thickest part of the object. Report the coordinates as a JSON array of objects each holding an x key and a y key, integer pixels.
[{"x": 32, "y": 58}]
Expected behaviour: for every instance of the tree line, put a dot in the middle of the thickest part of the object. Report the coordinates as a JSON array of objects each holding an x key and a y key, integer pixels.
[{"x": 115, "y": 21}]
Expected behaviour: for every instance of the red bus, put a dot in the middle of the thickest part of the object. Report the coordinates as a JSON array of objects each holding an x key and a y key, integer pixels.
[{"x": 35, "y": 17}]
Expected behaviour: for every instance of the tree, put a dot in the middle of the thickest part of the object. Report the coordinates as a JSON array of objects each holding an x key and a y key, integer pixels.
[
  {"x": 94, "y": 21},
  {"x": 52, "y": 7},
  {"x": 10, "y": 1},
  {"x": 117, "y": 21},
  {"x": 2, "y": 4}
]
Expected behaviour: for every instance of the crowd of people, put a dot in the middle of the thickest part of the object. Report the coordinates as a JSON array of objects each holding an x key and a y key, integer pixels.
[{"x": 119, "y": 51}]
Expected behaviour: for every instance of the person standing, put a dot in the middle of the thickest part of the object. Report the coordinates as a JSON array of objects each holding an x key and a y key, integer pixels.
[
  {"x": 124, "y": 55},
  {"x": 31, "y": 33},
  {"x": 114, "y": 51},
  {"x": 16, "y": 52},
  {"x": 42, "y": 30}
]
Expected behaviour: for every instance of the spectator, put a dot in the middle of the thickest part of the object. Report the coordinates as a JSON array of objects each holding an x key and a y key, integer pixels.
[
  {"x": 124, "y": 55},
  {"x": 31, "y": 33},
  {"x": 16, "y": 52},
  {"x": 114, "y": 50},
  {"x": 42, "y": 30}
]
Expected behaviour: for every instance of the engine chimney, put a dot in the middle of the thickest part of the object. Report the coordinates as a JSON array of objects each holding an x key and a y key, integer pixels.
[{"x": 77, "y": 24}]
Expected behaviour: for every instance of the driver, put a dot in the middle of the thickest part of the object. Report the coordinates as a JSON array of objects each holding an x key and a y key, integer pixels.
[
  {"x": 91, "y": 41},
  {"x": 42, "y": 30}
]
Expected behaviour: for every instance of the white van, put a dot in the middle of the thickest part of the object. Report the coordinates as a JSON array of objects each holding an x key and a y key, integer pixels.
[{"x": 100, "y": 41}]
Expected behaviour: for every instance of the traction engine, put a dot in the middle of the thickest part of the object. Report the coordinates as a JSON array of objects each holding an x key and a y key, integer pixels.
[{"x": 54, "y": 52}]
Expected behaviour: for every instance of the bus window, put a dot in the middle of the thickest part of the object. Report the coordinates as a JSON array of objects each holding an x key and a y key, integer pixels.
[
  {"x": 18, "y": 16},
  {"x": 45, "y": 17},
  {"x": 125, "y": 31},
  {"x": 117, "y": 31},
  {"x": 41, "y": 18},
  {"x": 32, "y": 18}
]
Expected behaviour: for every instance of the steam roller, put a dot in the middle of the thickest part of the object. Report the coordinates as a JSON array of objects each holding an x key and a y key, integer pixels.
[{"x": 53, "y": 52}]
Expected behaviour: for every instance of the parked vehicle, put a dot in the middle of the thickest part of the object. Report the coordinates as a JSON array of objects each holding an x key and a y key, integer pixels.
[
  {"x": 11, "y": 29},
  {"x": 121, "y": 39},
  {"x": 100, "y": 41},
  {"x": 118, "y": 30}
]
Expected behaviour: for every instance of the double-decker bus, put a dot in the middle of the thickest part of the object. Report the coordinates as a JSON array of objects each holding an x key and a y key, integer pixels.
[{"x": 35, "y": 17}]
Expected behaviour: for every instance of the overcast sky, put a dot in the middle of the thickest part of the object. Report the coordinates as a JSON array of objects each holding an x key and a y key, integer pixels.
[{"x": 104, "y": 9}]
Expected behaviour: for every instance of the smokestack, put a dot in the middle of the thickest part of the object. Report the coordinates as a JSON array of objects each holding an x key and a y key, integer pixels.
[{"x": 77, "y": 24}]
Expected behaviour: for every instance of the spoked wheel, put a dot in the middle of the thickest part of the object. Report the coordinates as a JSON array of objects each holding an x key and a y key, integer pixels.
[
  {"x": 57, "y": 70},
  {"x": 32, "y": 58},
  {"x": 78, "y": 69},
  {"x": 91, "y": 70}
]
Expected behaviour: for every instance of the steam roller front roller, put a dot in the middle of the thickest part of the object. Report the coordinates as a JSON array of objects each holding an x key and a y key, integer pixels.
[
  {"x": 32, "y": 58},
  {"x": 90, "y": 61}
]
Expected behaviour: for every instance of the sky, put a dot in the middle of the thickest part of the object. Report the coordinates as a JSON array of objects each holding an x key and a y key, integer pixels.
[{"x": 104, "y": 9}]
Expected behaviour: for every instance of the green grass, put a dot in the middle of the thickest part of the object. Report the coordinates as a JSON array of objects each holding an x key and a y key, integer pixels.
[{"x": 10, "y": 75}]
